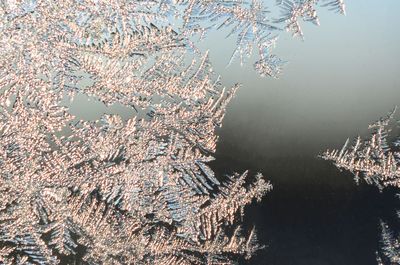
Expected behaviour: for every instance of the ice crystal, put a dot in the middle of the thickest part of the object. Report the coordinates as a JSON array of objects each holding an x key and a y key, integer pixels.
[
  {"x": 390, "y": 246},
  {"x": 295, "y": 10},
  {"x": 373, "y": 159},
  {"x": 114, "y": 190},
  {"x": 377, "y": 161}
]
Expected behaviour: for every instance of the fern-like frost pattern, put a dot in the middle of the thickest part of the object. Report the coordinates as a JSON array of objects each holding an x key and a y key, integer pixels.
[
  {"x": 377, "y": 161},
  {"x": 117, "y": 189}
]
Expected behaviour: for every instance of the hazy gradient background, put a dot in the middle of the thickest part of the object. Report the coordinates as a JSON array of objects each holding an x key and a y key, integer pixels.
[{"x": 345, "y": 75}]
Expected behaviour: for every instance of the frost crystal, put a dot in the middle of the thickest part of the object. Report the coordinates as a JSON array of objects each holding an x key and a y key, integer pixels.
[
  {"x": 373, "y": 159},
  {"x": 390, "y": 246},
  {"x": 123, "y": 190},
  {"x": 377, "y": 160}
]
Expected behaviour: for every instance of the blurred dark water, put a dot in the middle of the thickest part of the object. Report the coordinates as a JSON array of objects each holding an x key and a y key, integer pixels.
[{"x": 315, "y": 213}]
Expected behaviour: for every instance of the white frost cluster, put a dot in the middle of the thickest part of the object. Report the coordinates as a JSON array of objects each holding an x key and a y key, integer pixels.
[
  {"x": 114, "y": 190},
  {"x": 374, "y": 159},
  {"x": 377, "y": 161}
]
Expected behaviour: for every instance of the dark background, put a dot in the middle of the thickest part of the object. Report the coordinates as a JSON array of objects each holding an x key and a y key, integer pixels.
[{"x": 315, "y": 214}]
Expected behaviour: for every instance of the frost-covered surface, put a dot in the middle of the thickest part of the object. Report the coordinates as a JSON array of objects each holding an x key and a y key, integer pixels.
[
  {"x": 390, "y": 251},
  {"x": 133, "y": 191},
  {"x": 377, "y": 161}
]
